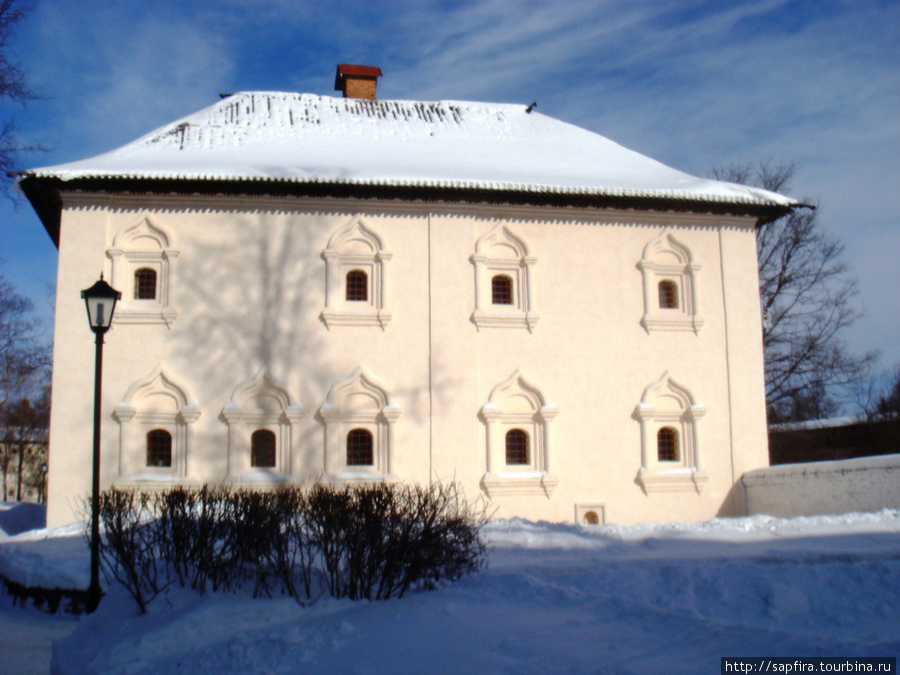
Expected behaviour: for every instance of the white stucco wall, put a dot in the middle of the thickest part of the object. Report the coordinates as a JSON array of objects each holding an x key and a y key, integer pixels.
[
  {"x": 249, "y": 286},
  {"x": 863, "y": 484}
]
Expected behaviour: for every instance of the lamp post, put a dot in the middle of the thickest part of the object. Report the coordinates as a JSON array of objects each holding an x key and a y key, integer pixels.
[
  {"x": 43, "y": 483},
  {"x": 100, "y": 301}
]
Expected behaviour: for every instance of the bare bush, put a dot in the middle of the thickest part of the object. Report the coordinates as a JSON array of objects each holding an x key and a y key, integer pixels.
[
  {"x": 379, "y": 541},
  {"x": 366, "y": 542},
  {"x": 129, "y": 548}
]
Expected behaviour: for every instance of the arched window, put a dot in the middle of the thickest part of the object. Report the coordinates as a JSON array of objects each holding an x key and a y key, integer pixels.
[
  {"x": 359, "y": 448},
  {"x": 145, "y": 284},
  {"x": 668, "y": 295},
  {"x": 516, "y": 447},
  {"x": 262, "y": 449},
  {"x": 504, "y": 281},
  {"x": 359, "y": 418},
  {"x": 517, "y": 420},
  {"x": 591, "y": 518},
  {"x": 667, "y": 445},
  {"x": 159, "y": 448},
  {"x": 671, "y": 292},
  {"x": 501, "y": 290},
  {"x": 357, "y": 286},
  {"x": 357, "y": 279},
  {"x": 142, "y": 257},
  {"x": 262, "y": 429}
]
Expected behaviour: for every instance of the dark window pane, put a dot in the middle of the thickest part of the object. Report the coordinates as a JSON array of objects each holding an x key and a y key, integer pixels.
[
  {"x": 667, "y": 445},
  {"x": 516, "y": 447},
  {"x": 262, "y": 449},
  {"x": 359, "y": 448},
  {"x": 159, "y": 448},
  {"x": 357, "y": 286},
  {"x": 501, "y": 290},
  {"x": 145, "y": 284},
  {"x": 668, "y": 296}
]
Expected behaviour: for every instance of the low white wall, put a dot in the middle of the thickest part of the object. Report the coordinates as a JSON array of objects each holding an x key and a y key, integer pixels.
[{"x": 863, "y": 484}]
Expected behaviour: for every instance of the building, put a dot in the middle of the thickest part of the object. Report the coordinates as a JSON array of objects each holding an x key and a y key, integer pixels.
[
  {"x": 24, "y": 467},
  {"x": 355, "y": 289}
]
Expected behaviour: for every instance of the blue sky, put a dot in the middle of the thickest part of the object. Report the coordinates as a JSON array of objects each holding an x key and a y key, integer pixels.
[{"x": 691, "y": 83}]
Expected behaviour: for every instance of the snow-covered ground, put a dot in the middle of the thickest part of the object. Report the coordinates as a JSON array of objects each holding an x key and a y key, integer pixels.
[{"x": 555, "y": 598}]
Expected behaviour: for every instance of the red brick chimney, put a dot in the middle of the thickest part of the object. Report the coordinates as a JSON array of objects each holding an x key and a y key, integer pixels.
[{"x": 356, "y": 81}]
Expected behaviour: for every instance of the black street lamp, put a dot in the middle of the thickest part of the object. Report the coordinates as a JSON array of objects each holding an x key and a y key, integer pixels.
[
  {"x": 100, "y": 300},
  {"x": 43, "y": 483}
]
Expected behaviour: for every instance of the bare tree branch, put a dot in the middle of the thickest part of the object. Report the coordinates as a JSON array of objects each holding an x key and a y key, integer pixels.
[
  {"x": 13, "y": 87},
  {"x": 24, "y": 356},
  {"x": 807, "y": 299}
]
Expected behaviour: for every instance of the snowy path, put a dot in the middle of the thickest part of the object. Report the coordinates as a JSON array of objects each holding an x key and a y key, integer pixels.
[
  {"x": 555, "y": 598},
  {"x": 26, "y": 637}
]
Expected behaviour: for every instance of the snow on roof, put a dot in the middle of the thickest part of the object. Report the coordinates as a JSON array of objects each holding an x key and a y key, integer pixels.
[
  {"x": 830, "y": 423},
  {"x": 276, "y": 136}
]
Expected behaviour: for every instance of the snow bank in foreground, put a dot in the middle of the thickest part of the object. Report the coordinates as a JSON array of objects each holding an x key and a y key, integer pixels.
[
  {"x": 18, "y": 517},
  {"x": 556, "y": 597}
]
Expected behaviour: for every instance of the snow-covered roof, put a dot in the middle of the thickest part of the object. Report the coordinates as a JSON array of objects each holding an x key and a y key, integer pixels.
[{"x": 304, "y": 138}]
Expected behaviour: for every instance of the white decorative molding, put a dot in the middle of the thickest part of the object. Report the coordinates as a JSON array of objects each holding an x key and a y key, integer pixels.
[
  {"x": 154, "y": 402},
  {"x": 516, "y": 403},
  {"x": 684, "y": 479},
  {"x": 501, "y": 252},
  {"x": 356, "y": 247},
  {"x": 665, "y": 259},
  {"x": 262, "y": 402},
  {"x": 359, "y": 401},
  {"x": 667, "y": 404},
  {"x": 143, "y": 245}
]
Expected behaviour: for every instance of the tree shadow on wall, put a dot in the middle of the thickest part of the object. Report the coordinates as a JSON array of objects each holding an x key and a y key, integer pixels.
[{"x": 251, "y": 294}]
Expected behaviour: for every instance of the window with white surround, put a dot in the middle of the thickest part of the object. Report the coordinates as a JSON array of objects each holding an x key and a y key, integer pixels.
[
  {"x": 359, "y": 422},
  {"x": 590, "y": 514},
  {"x": 504, "y": 281},
  {"x": 357, "y": 292},
  {"x": 262, "y": 430},
  {"x": 517, "y": 420},
  {"x": 670, "y": 286},
  {"x": 156, "y": 418},
  {"x": 142, "y": 256},
  {"x": 670, "y": 457}
]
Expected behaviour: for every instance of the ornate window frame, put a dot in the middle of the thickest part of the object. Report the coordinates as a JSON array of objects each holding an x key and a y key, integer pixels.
[
  {"x": 144, "y": 244},
  {"x": 154, "y": 402},
  {"x": 665, "y": 259},
  {"x": 356, "y": 247},
  {"x": 500, "y": 252},
  {"x": 261, "y": 402},
  {"x": 359, "y": 401},
  {"x": 515, "y": 403},
  {"x": 667, "y": 404}
]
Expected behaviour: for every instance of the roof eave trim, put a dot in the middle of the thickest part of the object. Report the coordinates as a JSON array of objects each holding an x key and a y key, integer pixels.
[
  {"x": 44, "y": 194},
  {"x": 45, "y": 200}
]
